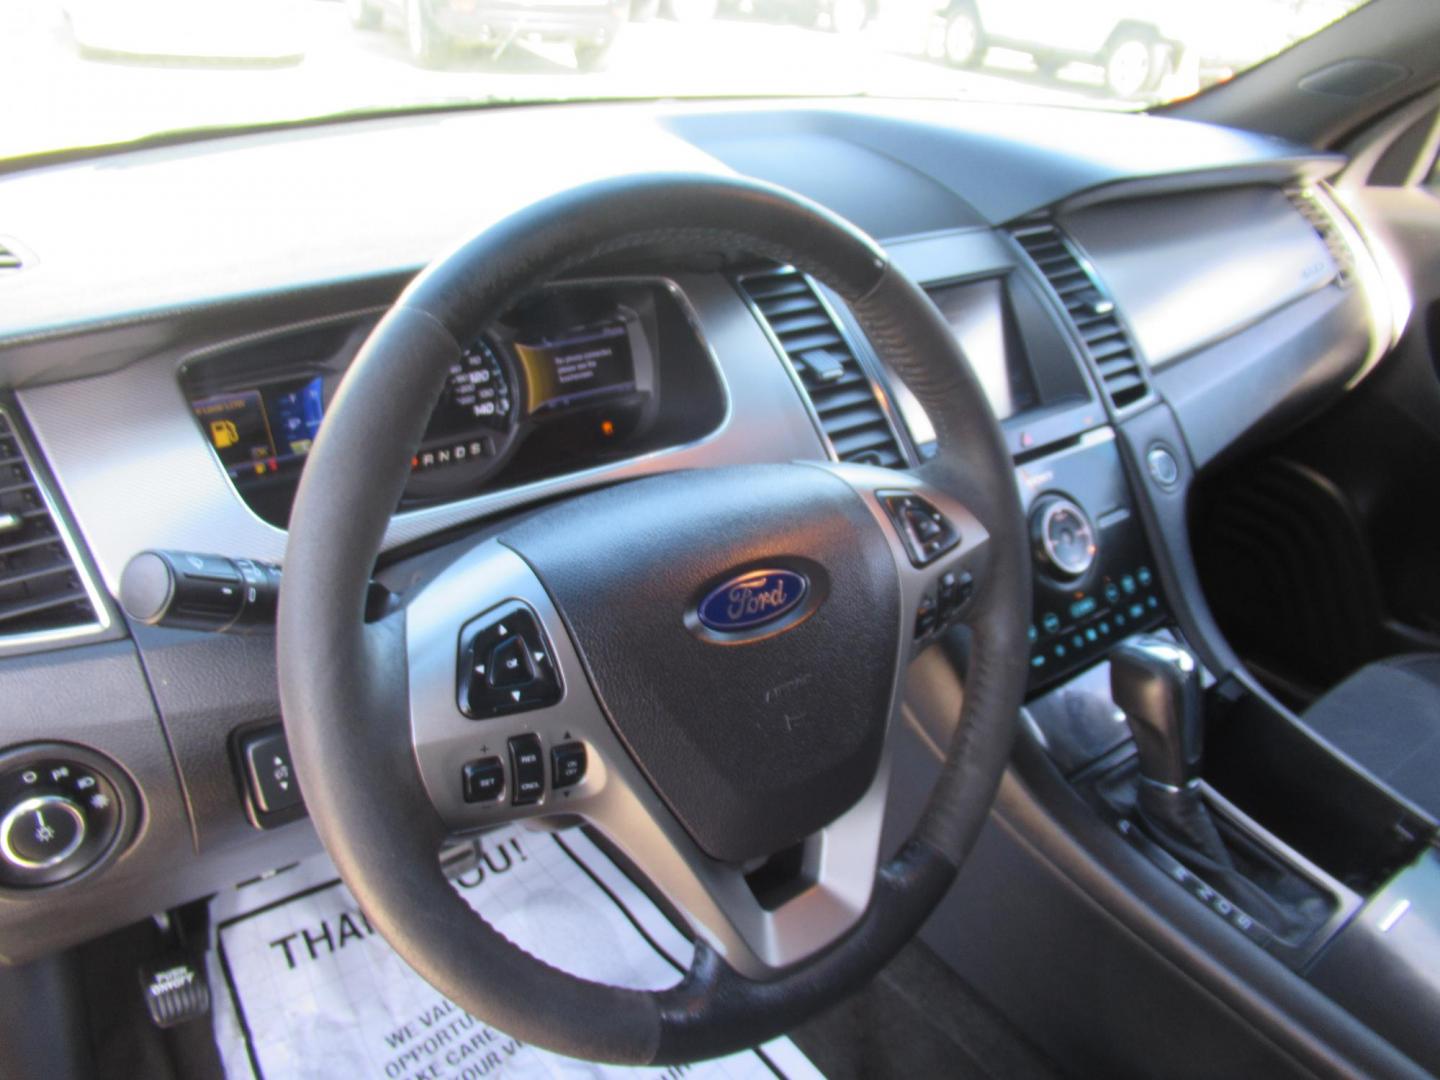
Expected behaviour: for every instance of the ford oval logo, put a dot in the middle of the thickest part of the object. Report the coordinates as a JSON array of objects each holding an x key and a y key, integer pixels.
[{"x": 753, "y": 599}]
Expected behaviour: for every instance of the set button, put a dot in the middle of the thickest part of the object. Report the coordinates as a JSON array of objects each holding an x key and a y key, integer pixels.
[{"x": 483, "y": 780}]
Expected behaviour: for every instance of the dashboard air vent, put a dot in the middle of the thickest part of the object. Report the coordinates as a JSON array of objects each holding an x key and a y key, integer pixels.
[
  {"x": 1323, "y": 222},
  {"x": 1091, "y": 312},
  {"x": 41, "y": 590},
  {"x": 839, "y": 389}
]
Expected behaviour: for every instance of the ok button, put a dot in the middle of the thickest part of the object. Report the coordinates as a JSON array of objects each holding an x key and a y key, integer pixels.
[{"x": 510, "y": 663}]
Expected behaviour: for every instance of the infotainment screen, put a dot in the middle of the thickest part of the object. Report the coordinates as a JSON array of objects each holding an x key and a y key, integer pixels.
[
  {"x": 576, "y": 365},
  {"x": 979, "y": 314},
  {"x": 261, "y": 431}
]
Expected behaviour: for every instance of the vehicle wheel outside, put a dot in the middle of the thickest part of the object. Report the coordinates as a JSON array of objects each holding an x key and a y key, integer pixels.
[
  {"x": 684, "y": 11},
  {"x": 592, "y": 57},
  {"x": 364, "y": 14},
  {"x": 427, "y": 45},
  {"x": 1131, "y": 65},
  {"x": 849, "y": 16},
  {"x": 964, "y": 43}
]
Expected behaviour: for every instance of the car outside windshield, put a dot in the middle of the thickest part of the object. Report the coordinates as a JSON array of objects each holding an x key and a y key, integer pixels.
[{"x": 83, "y": 73}]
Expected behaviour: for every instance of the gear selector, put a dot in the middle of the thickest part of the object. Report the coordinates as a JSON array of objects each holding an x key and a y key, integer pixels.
[{"x": 1156, "y": 683}]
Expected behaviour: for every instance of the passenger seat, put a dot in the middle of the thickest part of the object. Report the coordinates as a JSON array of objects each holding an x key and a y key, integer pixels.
[{"x": 1386, "y": 718}]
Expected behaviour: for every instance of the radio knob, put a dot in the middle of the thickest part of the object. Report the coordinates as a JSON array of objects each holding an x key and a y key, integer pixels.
[
  {"x": 41, "y": 831},
  {"x": 1063, "y": 536}
]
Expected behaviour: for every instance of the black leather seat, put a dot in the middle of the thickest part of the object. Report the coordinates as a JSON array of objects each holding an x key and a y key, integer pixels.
[{"x": 1386, "y": 718}]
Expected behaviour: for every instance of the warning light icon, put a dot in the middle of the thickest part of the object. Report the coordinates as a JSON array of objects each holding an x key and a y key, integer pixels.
[{"x": 224, "y": 434}]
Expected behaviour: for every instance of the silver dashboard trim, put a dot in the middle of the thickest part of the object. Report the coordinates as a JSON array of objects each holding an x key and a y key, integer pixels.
[
  {"x": 1389, "y": 308},
  {"x": 174, "y": 493}
]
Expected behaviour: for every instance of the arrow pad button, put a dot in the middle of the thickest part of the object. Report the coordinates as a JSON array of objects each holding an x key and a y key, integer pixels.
[{"x": 505, "y": 664}]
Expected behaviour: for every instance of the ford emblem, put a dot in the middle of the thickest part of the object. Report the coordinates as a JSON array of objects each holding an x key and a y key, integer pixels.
[{"x": 752, "y": 599}]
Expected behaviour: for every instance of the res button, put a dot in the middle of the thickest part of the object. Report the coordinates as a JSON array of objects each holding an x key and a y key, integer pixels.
[{"x": 527, "y": 766}]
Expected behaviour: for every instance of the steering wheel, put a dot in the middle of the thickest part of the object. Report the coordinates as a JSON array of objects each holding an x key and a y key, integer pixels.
[{"x": 727, "y": 645}]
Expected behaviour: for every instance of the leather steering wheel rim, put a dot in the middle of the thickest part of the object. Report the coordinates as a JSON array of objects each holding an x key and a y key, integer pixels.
[{"x": 343, "y": 681}]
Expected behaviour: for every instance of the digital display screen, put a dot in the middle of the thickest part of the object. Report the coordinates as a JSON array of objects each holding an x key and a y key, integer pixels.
[
  {"x": 978, "y": 314},
  {"x": 576, "y": 365},
  {"x": 261, "y": 431}
]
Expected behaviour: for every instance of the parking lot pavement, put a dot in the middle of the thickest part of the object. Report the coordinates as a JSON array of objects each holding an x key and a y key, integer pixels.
[{"x": 57, "y": 98}]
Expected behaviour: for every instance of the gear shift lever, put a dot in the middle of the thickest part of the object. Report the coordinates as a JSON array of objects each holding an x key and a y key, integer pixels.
[{"x": 1156, "y": 683}]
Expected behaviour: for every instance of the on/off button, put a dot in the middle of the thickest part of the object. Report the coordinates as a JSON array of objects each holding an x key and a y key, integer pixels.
[{"x": 527, "y": 767}]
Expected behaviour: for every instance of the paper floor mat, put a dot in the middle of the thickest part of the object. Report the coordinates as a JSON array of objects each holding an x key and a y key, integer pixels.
[{"x": 304, "y": 987}]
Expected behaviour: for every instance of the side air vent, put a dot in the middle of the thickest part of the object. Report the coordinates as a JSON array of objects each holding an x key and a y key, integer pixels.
[
  {"x": 1322, "y": 221},
  {"x": 9, "y": 258},
  {"x": 42, "y": 594},
  {"x": 802, "y": 326},
  {"x": 1091, "y": 312}
]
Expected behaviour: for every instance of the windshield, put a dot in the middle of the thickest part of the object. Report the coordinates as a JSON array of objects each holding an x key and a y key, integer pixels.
[{"x": 80, "y": 73}]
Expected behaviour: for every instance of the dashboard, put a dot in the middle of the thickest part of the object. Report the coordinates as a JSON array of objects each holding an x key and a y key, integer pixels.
[{"x": 1138, "y": 297}]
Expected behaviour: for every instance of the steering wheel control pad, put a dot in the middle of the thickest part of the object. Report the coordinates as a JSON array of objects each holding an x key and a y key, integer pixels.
[
  {"x": 505, "y": 666},
  {"x": 758, "y": 741}
]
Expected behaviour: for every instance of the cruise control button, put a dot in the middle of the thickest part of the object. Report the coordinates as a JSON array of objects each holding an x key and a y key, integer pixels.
[
  {"x": 567, "y": 764},
  {"x": 527, "y": 766},
  {"x": 483, "y": 780},
  {"x": 510, "y": 663}
]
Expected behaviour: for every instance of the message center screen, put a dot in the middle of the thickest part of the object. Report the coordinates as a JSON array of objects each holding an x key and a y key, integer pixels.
[
  {"x": 577, "y": 365},
  {"x": 260, "y": 431}
]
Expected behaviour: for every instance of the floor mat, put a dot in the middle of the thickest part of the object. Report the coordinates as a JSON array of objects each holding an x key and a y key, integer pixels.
[{"x": 305, "y": 988}]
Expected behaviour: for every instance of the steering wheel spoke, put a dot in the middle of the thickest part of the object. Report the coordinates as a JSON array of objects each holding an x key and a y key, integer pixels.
[{"x": 760, "y": 916}]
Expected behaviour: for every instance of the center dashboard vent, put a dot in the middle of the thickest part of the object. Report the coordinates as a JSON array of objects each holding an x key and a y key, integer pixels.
[
  {"x": 846, "y": 406},
  {"x": 42, "y": 593},
  {"x": 1091, "y": 312}
]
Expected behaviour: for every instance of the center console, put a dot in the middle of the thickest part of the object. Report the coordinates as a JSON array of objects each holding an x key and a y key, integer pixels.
[{"x": 1164, "y": 767}]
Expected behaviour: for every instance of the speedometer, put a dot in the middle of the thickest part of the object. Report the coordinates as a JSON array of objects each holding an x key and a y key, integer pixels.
[
  {"x": 479, "y": 387},
  {"x": 473, "y": 425}
]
